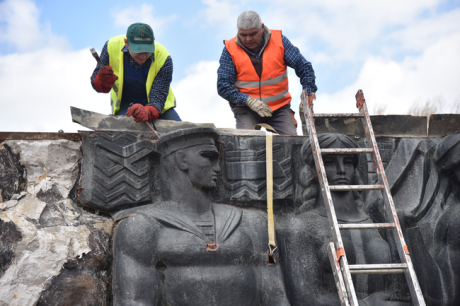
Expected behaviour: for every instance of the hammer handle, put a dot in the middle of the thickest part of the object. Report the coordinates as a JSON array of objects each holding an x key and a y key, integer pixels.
[{"x": 101, "y": 64}]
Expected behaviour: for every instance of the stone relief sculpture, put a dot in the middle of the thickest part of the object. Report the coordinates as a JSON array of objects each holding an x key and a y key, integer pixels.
[
  {"x": 117, "y": 169},
  {"x": 434, "y": 236},
  {"x": 424, "y": 184},
  {"x": 304, "y": 237},
  {"x": 187, "y": 250},
  {"x": 176, "y": 242}
]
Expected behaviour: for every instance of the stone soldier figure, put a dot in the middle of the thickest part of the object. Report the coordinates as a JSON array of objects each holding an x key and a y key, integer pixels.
[
  {"x": 304, "y": 239},
  {"x": 187, "y": 250}
]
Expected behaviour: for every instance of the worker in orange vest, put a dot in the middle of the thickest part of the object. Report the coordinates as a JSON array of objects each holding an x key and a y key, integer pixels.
[{"x": 252, "y": 75}]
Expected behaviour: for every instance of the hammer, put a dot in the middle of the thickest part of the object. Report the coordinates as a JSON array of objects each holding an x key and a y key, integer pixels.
[{"x": 102, "y": 66}]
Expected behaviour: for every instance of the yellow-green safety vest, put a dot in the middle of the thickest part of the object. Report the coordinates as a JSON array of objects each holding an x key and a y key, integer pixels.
[{"x": 116, "y": 62}]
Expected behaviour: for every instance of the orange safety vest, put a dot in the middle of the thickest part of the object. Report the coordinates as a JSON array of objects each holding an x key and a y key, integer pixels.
[{"x": 273, "y": 86}]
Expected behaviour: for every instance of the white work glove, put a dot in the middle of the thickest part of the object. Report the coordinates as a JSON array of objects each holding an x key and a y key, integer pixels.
[{"x": 259, "y": 107}]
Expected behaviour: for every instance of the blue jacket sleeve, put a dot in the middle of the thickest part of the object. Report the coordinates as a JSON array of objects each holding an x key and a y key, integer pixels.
[
  {"x": 302, "y": 67},
  {"x": 160, "y": 87},
  {"x": 226, "y": 78}
]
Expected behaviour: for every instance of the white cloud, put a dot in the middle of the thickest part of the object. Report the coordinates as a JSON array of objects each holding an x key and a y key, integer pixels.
[
  {"x": 398, "y": 84},
  {"x": 222, "y": 13},
  {"x": 39, "y": 87},
  {"x": 197, "y": 97},
  {"x": 39, "y": 84},
  {"x": 221, "y": 16},
  {"x": 344, "y": 30},
  {"x": 20, "y": 27},
  {"x": 145, "y": 14},
  {"x": 420, "y": 34}
]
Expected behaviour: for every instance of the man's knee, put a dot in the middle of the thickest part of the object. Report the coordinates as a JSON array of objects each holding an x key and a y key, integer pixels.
[
  {"x": 245, "y": 118},
  {"x": 283, "y": 121}
]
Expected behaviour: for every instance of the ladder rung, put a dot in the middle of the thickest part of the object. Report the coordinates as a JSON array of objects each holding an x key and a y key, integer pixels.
[
  {"x": 350, "y": 115},
  {"x": 366, "y": 225},
  {"x": 378, "y": 269},
  {"x": 378, "y": 266},
  {"x": 347, "y": 151},
  {"x": 382, "y": 271},
  {"x": 355, "y": 187}
]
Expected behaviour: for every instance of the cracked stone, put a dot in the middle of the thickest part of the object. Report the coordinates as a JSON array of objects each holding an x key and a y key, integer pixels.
[
  {"x": 13, "y": 178},
  {"x": 9, "y": 235}
]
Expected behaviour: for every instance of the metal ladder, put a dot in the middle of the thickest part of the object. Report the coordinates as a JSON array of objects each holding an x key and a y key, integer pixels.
[{"x": 341, "y": 269}]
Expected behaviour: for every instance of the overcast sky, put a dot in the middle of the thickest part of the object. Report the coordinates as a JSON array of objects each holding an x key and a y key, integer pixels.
[{"x": 397, "y": 52}]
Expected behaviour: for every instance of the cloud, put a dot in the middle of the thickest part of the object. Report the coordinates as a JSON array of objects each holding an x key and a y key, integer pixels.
[
  {"x": 40, "y": 83},
  {"x": 422, "y": 33},
  {"x": 39, "y": 87},
  {"x": 197, "y": 97},
  {"x": 221, "y": 16},
  {"x": 346, "y": 29},
  {"x": 398, "y": 84},
  {"x": 144, "y": 13},
  {"x": 43, "y": 78},
  {"x": 19, "y": 26}
]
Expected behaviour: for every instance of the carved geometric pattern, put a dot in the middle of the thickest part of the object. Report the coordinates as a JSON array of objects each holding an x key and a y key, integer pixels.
[
  {"x": 121, "y": 170},
  {"x": 244, "y": 185}
]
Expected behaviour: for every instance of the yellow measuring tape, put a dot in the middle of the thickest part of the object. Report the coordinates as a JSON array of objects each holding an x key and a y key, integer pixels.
[{"x": 271, "y": 222}]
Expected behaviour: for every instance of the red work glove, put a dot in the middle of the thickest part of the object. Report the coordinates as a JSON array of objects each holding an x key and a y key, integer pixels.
[
  {"x": 105, "y": 79},
  {"x": 142, "y": 113}
]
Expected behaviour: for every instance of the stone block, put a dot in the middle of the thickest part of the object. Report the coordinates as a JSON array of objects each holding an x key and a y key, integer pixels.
[
  {"x": 389, "y": 125},
  {"x": 443, "y": 124}
]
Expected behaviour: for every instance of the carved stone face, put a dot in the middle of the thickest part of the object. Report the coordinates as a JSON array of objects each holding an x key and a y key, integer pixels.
[
  {"x": 339, "y": 169},
  {"x": 203, "y": 166}
]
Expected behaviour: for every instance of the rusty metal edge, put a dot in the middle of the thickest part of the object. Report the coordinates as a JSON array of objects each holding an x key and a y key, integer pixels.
[{"x": 38, "y": 136}]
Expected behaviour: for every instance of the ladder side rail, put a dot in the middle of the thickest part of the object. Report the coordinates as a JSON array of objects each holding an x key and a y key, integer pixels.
[
  {"x": 411, "y": 277},
  {"x": 338, "y": 277},
  {"x": 333, "y": 223}
]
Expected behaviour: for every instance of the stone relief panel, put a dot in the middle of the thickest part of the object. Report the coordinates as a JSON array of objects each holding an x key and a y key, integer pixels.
[
  {"x": 246, "y": 174},
  {"x": 121, "y": 174},
  {"x": 185, "y": 249},
  {"x": 117, "y": 169},
  {"x": 244, "y": 169}
]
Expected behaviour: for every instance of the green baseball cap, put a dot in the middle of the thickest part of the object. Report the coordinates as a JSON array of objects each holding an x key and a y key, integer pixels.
[{"x": 140, "y": 38}]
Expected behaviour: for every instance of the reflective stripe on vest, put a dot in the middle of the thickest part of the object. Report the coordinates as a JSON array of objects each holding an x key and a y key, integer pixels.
[
  {"x": 273, "y": 85},
  {"x": 116, "y": 62}
]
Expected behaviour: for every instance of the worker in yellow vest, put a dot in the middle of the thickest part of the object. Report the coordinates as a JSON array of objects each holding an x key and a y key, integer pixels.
[
  {"x": 252, "y": 75},
  {"x": 141, "y": 69}
]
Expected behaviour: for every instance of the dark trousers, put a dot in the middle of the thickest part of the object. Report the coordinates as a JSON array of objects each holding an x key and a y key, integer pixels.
[{"x": 282, "y": 120}]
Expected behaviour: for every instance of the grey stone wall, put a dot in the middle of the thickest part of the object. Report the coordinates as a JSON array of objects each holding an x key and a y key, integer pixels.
[{"x": 55, "y": 250}]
